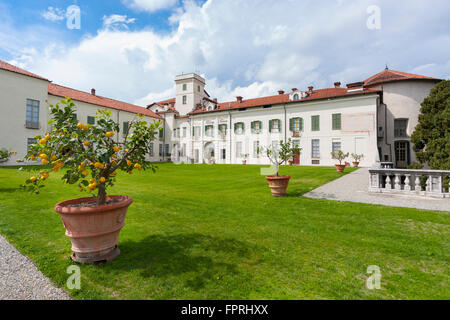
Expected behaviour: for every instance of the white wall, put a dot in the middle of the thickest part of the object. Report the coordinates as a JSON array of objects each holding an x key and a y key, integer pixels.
[
  {"x": 402, "y": 100},
  {"x": 15, "y": 89}
]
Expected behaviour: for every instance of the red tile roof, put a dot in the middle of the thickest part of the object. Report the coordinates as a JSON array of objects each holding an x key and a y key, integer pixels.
[
  {"x": 392, "y": 75},
  {"x": 318, "y": 94},
  {"x": 9, "y": 67},
  {"x": 61, "y": 91}
]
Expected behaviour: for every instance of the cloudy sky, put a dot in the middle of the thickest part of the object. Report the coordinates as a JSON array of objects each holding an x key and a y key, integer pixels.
[{"x": 132, "y": 49}]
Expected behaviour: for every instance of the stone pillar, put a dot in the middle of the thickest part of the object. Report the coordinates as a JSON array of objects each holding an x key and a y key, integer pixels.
[
  {"x": 388, "y": 185},
  {"x": 407, "y": 182},
  {"x": 398, "y": 182},
  {"x": 417, "y": 184},
  {"x": 429, "y": 183}
]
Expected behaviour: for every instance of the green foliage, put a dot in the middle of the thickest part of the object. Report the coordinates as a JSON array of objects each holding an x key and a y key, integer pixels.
[
  {"x": 431, "y": 136},
  {"x": 89, "y": 153},
  {"x": 340, "y": 156}
]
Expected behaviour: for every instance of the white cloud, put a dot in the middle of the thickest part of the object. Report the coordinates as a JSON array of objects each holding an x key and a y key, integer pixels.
[
  {"x": 54, "y": 14},
  {"x": 248, "y": 48},
  {"x": 150, "y": 5},
  {"x": 116, "y": 21}
]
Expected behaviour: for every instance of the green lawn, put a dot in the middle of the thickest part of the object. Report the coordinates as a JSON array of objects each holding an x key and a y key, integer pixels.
[{"x": 215, "y": 232}]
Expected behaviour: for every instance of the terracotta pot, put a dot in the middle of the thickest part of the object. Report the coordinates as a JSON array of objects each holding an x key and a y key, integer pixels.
[
  {"x": 278, "y": 185},
  {"x": 291, "y": 162},
  {"x": 355, "y": 164},
  {"x": 340, "y": 167},
  {"x": 244, "y": 161},
  {"x": 94, "y": 231}
]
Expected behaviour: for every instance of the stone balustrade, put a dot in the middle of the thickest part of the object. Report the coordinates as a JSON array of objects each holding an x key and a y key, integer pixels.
[{"x": 430, "y": 183}]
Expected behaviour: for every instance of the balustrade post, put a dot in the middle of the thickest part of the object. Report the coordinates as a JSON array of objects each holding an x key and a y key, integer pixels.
[
  {"x": 407, "y": 182},
  {"x": 417, "y": 184},
  {"x": 388, "y": 185},
  {"x": 429, "y": 183},
  {"x": 398, "y": 182}
]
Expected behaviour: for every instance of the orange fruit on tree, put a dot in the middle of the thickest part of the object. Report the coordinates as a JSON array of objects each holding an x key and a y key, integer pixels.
[
  {"x": 33, "y": 179},
  {"x": 85, "y": 173},
  {"x": 44, "y": 161},
  {"x": 53, "y": 157},
  {"x": 80, "y": 126},
  {"x": 86, "y": 128},
  {"x": 102, "y": 180},
  {"x": 110, "y": 134},
  {"x": 116, "y": 149},
  {"x": 87, "y": 143}
]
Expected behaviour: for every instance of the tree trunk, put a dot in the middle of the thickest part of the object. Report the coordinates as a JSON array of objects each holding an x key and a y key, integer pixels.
[{"x": 101, "y": 197}]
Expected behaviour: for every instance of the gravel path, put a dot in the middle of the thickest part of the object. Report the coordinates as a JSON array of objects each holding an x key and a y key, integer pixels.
[
  {"x": 354, "y": 187},
  {"x": 21, "y": 280}
]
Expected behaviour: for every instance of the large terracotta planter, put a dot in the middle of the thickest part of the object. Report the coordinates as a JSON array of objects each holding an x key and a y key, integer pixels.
[
  {"x": 340, "y": 167},
  {"x": 244, "y": 162},
  {"x": 355, "y": 164},
  {"x": 94, "y": 231},
  {"x": 278, "y": 185}
]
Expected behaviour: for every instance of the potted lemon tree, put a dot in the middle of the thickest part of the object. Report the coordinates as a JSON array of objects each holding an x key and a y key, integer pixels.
[
  {"x": 277, "y": 156},
  {"x": 340, "y": 156},
  {"x": 90, "y": 157},
  {"x": 357, "y": 158}
]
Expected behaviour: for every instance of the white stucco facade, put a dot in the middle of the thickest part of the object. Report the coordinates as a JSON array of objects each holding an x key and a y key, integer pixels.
[{"x": 367, "y": 116}]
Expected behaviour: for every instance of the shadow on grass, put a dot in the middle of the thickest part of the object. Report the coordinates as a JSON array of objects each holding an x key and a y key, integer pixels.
[
  {"x": 9, "y": 190},
  {"x": 198, "y": 259}
]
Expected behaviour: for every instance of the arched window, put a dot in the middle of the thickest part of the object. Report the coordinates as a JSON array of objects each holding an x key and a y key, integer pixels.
[{"x": 296, "y": 96}]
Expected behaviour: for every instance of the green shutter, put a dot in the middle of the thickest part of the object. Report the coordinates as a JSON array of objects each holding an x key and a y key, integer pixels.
[
  {"x": 125, "y": 128},
  {"x": 279, "y": 126},
  {"x": 336, "y": 120},
  {"x": 270, "y": 125},
  {"x": 253, "y": 127},
  {"x": 315, "y": 123},
  {"x": 408, "y": 153},
  {"x": 235, "y": 128},
  {"x": 301, "y": 124},
  {"x": 291, "y": 124}
]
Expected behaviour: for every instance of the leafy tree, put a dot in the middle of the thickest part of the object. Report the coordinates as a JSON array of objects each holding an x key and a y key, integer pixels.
[
  {"x": 89, "y": 153},
  {"x": 431, "y": 136}
]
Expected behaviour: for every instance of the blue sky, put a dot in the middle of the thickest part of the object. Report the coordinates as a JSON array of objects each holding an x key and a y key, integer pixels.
[{"x": 132, "y": 49}]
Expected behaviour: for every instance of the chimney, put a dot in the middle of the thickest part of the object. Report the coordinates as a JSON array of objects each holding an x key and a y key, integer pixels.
[
  {"x": 337, "y": 84},
  {"x": 294, "y": 89},
  {"x": 310, "y": 89},
  {"x": 93, "y": 92},
  {"x": 215, "y": 100},
  {"x": 280, "y": 92},
  {"x": 239, "y": 99}
]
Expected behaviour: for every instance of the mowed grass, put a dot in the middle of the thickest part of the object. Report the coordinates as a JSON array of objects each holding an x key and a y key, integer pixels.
[{"x": 215, "y": 232}]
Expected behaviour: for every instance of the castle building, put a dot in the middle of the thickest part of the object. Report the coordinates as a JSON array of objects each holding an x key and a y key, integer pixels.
[{"x": 374, "y": 117}]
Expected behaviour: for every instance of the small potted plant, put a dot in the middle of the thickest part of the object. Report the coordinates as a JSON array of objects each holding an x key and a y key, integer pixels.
[
  {"x": 340, "y": 156},
  {"x": 244, "y": 157},
  {"x": 169, "y": 157},
  {"x": 356, "y": 159},
  {"x": 6, "y": 154},
  {"x": 91, "y": 158},
  {"x": 277, "y": 156}
]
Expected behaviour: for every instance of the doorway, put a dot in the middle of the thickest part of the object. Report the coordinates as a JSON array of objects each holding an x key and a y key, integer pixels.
[
  {"x": 296, "y": 160},
  {"x": 402, "y": 154}
]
